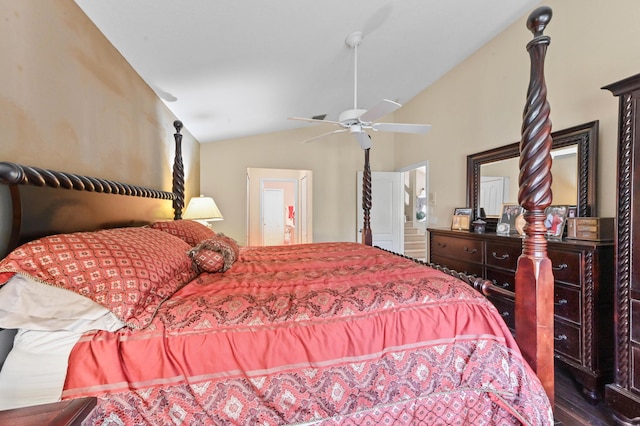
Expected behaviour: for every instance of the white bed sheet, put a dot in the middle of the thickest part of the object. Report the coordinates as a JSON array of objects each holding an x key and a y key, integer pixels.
[
  {"x": 50, "y": 321},
  {"x": 35, "y": 369}
]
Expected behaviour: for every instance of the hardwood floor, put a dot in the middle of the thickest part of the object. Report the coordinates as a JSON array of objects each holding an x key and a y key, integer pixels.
[{"x": 572, "y": 409}]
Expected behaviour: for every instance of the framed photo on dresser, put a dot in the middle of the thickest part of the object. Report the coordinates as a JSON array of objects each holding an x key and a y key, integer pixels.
[
  {"x": 461, "y": 222},
  {"x": 463, "y": 210},
  {"x": 555, "y": 220},
  {"x": 508, "y": 215},
  {"x": 462, "y": 218}
]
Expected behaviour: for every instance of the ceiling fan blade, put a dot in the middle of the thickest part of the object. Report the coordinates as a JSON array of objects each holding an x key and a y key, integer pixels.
[
  {"x": 363, "y": 139},
  {"x": 323, "y": 135},
  {"x": 381, "y": 109},
  {"x": 401, "y": 128},
  {"x": 314, "y": 120}
]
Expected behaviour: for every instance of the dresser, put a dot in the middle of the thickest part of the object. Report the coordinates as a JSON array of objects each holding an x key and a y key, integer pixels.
[{"x": 583, "y": 294}]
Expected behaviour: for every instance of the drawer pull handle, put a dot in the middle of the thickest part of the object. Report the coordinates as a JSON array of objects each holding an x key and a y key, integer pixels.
[
  {"x": 471, "y": 251},
  {"x": 560, "y": 337},
  {"x": 505, "y": 314},
  {"x": 442, "y": 245},
  {"x": 503, "y": 285},
  {"x": 561, "y": 302},
  {"x": 560, "y": 267},
  {"x": 502, "y": 257}
]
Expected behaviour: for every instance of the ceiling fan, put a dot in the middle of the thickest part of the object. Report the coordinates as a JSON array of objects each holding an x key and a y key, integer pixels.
[{"x": 358, "y": 121}]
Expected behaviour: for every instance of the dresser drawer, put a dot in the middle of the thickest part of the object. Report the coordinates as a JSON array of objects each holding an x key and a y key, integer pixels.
[
  {"x": 566, "y": 266},
  {"x": 566, "y": 301},
  {"x": 458, "y": 265},
  {"x": 503, "y": 255},
  {"x": 506, "y": 308},
  {"x": 457, "y": 248},
  {"x": 504, "y": 279},
  {"x": 567, "y": 340}
]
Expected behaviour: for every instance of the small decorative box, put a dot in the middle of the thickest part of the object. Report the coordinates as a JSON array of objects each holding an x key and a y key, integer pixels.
[
  {"x": 591, "y": 228},
  {"x": 479, "y": 226}
]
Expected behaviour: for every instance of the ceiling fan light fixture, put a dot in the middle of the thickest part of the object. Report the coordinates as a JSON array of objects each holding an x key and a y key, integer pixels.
[
  {"x": 357, "y": 120},
  {"x": 351, "y": 115}
]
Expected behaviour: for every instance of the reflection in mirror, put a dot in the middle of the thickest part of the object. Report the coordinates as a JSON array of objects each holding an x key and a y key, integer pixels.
[
  {"x": 499, "y": 181},
  {"x": 492, "y": 176}
]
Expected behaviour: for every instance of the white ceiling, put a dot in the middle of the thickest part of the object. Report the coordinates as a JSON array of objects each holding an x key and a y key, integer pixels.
[{"x": 241, "y": 67}]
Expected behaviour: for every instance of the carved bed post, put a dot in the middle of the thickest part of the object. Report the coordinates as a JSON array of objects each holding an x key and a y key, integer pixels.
[
  {"x": 178, "y": 173},
  {"x": 534, "y": 276},
  {"x": 367, "y": 237}
]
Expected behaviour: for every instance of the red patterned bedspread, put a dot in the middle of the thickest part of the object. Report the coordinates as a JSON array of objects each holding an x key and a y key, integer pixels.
[{"x": 329, "y": 333}]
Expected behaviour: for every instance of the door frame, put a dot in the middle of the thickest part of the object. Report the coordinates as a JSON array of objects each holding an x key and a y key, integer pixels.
[
  {"x": 407, "y": 169},
  {"x": 254, "y": 208}
]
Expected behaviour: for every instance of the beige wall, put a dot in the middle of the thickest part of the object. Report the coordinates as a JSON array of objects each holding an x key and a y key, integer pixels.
[
  {"x": 475, "y": 107},
  {"x": 479, "y": 104},
  {"x": 70, "y": 102},
  {"x": 334, "y": 162}
]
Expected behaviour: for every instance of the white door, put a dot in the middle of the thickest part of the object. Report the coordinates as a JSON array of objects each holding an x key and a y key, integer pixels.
[
  {"x": 493, "y": 191},
  {"x": 387, "y": 218},
  {"x": 272, "y": 217}
]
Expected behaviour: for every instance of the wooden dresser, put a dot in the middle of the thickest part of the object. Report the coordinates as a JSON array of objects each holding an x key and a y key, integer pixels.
[{"x": 584, "y": 286}]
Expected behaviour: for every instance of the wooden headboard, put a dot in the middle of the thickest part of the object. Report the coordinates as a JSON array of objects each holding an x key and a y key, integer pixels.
[{"x": 36, "y": 202}]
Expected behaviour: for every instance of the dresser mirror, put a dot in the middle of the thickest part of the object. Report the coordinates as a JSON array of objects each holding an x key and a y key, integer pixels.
[{"x": 492, "y": 176}]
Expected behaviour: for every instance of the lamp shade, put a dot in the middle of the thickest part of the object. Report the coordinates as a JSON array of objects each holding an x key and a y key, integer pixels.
[{"x": 202, "y": 208}]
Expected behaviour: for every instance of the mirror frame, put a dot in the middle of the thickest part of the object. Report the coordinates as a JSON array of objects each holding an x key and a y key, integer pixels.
[{"x": 585, "y": 136}]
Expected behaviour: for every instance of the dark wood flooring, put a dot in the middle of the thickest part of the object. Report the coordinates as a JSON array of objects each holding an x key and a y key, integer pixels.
[{"x": 572, "y": 409}]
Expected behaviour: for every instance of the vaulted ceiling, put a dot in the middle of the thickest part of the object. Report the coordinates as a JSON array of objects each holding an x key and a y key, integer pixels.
[{"x": 234, "y": 68}]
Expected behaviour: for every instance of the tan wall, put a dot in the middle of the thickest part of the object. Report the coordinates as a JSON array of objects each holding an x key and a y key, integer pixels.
[
  {"x": 70, "y": 102},
  {"x": 479, "y": 104},
  {"x": 475, "y": 107},
  {"x": 334, "y": 162}
]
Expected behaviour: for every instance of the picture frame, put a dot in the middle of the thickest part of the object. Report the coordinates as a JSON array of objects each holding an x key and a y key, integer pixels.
[
  {"x": 555, "y": 220},
  {"x": 461, "y": 222},
  {"x": 508, "y": 214},
  {"x": 503, "y": 228},
  {"x": 572, "y": 211},
  {"x": 463, "y": 210}
]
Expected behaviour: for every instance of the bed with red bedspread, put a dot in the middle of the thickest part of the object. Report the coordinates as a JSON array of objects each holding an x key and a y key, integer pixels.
[
  {"x": 172, "y": 323},
  {"x": 325, "y": 333}
]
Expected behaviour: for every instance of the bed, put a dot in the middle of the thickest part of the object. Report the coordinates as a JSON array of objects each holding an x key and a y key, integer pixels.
[{"x": 167, "y": 322}]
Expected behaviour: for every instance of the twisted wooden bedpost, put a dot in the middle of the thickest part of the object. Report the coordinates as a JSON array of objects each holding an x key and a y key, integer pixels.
[
  {"x": 178, "y": 173},
  {"x": 534, "y": 276},
  {"x": 367, "y": 237}
]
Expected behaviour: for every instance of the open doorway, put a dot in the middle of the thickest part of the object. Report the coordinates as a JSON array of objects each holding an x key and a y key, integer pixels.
[
  {"x": 279, "y": 206},
  {"x": 400, "y": 210},
  {"x": 416, "y": 209}
]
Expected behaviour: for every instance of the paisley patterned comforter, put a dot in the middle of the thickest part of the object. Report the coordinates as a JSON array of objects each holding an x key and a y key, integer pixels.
[{"x": 328, "y": 333}]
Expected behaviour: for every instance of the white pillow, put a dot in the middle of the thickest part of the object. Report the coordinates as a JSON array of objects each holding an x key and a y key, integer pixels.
[
  {"x": 28, "y": 304},
  {"x": 35, "y": 370}
]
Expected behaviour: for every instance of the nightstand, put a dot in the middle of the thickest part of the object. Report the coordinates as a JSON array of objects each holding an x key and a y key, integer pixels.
[{"x": 64, "y": 413}]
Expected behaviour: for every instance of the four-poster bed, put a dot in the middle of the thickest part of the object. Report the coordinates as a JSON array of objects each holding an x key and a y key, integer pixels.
[{"x": 324, "y": 333}]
